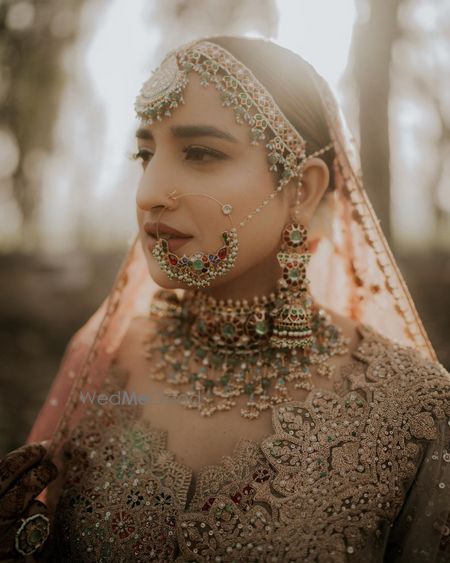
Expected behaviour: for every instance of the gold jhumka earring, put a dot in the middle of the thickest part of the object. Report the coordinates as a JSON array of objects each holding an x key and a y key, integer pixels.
[
  {"x": 292, "y": 316},
  {"x": 291, "y": 326}
]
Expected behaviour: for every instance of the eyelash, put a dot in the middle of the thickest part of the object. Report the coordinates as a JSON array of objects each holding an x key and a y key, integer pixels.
[{"x": 145, "y": 154}]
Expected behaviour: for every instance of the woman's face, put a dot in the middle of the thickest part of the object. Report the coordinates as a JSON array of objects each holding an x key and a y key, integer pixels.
[{"x": 202, "y": 149}]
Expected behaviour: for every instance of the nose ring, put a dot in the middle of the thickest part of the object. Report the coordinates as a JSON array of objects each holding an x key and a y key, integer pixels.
[{"x": 172, "y": 194}]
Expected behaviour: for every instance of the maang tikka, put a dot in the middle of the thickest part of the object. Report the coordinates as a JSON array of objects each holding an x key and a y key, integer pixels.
[{"x": 254, "y": 106}]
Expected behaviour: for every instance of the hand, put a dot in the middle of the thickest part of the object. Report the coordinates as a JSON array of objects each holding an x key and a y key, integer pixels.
[{"x": 24, "y": 473}]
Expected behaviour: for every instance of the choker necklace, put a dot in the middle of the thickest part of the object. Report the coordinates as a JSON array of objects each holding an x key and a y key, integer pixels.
[{"x": 217, "y": 350}]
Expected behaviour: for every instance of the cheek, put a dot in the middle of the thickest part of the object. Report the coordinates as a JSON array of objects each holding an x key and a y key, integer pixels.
[
  {"x": 261, "y": 236},
  {"x": 159, "y": 277}
]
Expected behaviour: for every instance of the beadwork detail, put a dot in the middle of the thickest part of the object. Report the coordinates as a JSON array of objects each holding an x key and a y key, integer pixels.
[
  {"x": 198, "y": 269},
  {"x": 239, "y": 89},
  {"x": 162, "y": 92},
  {"x": 329, "y": 481},
  {"x": 217, "y": 350},
  {"x": 292, "y": 317}
]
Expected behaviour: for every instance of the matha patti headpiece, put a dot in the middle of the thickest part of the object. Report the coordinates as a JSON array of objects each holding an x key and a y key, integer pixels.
[
  {"x": 253, "y": 105},
  {"x": 239, "y": 89}
]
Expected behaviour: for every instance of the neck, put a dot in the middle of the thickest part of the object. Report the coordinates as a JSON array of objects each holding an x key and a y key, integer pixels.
[{"x": 258, "y": 281}]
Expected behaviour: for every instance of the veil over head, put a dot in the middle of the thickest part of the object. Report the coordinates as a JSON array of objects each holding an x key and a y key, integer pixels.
[{"x": 352, "y": 272}]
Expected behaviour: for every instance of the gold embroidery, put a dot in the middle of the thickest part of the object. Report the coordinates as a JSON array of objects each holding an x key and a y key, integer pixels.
[{"x": 325, "y": 486}]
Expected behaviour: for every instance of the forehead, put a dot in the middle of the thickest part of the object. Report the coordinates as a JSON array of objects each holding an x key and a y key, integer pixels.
[{"x": 203, "y": 105}]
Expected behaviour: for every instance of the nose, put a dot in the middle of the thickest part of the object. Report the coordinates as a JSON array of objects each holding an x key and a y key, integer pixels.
[{"x": 156, "y": 187}]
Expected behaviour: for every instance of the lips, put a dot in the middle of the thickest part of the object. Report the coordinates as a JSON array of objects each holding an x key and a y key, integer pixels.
[{"x": 175, "y": 241}]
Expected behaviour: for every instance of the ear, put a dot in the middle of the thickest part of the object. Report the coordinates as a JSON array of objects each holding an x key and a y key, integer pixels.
[{"x": 315, "y": 179}]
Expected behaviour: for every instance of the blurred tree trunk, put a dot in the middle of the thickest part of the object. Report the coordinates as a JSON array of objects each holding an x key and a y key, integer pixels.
[
  {"x": 34, "y": 76},
  {"x": 372, "y": 46}
]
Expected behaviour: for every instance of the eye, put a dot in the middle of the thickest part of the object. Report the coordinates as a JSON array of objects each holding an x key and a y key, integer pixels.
[
  {"x": 202, "y": 154},
  {"x": 142, "y": 154}
]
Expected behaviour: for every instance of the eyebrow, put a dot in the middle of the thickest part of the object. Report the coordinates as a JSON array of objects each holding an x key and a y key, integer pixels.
[{"x": 185, "y": 131}]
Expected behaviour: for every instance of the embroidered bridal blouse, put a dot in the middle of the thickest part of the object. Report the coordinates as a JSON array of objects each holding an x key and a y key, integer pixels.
[{"x": 360, "y": 473}]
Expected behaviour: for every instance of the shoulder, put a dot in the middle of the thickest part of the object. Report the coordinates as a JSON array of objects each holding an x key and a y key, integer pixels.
[
  {"x": 400, "y": 361},
  {"x": 403, "y": 380}
]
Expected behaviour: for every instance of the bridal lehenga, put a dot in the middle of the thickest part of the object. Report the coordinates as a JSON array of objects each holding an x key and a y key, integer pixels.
[{"x": 359, "y": 472}]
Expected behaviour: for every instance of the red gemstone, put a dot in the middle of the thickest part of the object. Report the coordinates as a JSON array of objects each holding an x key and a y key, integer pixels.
[
  {"x": 208, "y": 504},
  {"x": 173, "y": 259},
  {"x": 236, "y": 498},
  {"x": 222, "y": 253}
]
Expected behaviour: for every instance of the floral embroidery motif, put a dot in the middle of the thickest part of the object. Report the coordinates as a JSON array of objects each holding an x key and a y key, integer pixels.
[{"x": 325, "y": 486}]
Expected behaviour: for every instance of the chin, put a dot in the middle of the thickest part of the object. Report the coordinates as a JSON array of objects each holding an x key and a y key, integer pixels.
[{"x": 161, "y": 279}]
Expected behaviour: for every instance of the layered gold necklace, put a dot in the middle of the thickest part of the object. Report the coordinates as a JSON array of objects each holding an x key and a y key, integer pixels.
[{"x": 210, "y": 351}]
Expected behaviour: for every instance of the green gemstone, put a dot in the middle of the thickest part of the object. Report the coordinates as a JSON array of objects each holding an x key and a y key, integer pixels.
[
  {"x": 261, "y": 327},
  {"x": 294, "y": 274},
  {"x": 209, "y": 383},
  {"x": 228, "y": 330},
  {"x": 323, "y": 474},
  {"x": 201, "y": 352},
  {"x": 249, "y": 388},
  {"x": 197, "y": 264},
  {"x": 35, "y": 536},
  {"x": 201, "y": 326},
  {"x": 296, "y": 236}
]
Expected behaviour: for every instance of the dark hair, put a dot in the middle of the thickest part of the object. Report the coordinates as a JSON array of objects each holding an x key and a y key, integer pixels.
[{"x": 287, "y": 77}]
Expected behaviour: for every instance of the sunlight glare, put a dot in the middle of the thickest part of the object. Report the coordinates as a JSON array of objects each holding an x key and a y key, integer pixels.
[{"x": 319, "y": 31}]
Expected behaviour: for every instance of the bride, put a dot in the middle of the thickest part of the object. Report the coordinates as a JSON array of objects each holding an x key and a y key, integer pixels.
[{"x": 258, "y": 386}]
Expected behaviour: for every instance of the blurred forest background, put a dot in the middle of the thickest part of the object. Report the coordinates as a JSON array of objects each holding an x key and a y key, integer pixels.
[{"x": 69, "y": 71}]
